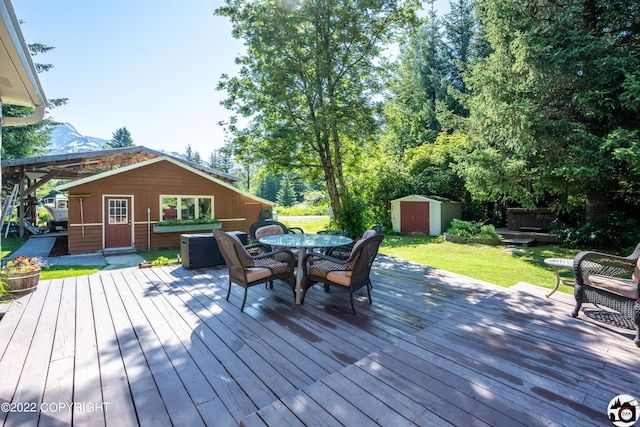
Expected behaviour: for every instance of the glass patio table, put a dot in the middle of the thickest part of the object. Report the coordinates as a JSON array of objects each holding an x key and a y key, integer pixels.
[{"x": 304, "y": 242}]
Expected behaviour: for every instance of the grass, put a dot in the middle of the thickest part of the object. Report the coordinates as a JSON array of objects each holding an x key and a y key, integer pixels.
[
  {"x": 308, "y": 225},
  {"x": 63, "y": 271},
  {"x": 153, "y": 254},
  {"x": 10, "y": 245},
  {"x": 494, "y": 264}
]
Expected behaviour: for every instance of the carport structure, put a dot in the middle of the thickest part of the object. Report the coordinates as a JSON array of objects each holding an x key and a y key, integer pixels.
[{"x": 32, "y": 173}]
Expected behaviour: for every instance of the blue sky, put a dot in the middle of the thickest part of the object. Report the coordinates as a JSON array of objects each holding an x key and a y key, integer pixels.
[{"x": 151, "y": 66}]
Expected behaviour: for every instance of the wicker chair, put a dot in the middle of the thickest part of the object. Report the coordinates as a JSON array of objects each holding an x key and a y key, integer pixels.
[
  {"x": 247, "y": 270},
  {"x": 344, "y": 251},
  {"x": 256, "y": 225},
  {"x": 350, "y": 274},
  {"x": 611, "y": 281}
]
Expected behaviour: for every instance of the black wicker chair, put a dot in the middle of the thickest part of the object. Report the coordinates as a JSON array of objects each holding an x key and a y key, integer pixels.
[
  {"x": 350, "y": 274},
  {"x": 611, "y": 281},
  {"x": 247, "y": 270}
]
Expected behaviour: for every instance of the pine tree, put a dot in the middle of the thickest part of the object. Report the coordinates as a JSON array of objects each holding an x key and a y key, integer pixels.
[
  {"x": 121, "y": 138},
  {"x": 286, "y": 195}
]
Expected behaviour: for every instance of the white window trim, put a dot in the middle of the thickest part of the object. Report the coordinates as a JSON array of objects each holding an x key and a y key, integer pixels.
[{"x": 188, "y": 196}]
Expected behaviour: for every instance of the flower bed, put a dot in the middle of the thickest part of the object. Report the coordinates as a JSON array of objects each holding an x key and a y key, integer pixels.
[{"x": 181, "y": 226}]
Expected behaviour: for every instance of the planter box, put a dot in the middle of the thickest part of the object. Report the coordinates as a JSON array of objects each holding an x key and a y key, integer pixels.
[
  {"x": 22, "y": 282},
  {"x": 187, "y": 227},
  {"x": 458, "y": 239}
]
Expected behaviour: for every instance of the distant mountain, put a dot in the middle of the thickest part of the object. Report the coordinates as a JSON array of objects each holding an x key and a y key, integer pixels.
[{"x": 66, "y": 139}]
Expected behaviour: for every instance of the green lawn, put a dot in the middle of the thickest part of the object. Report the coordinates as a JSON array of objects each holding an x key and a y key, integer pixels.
[{"x": 494, "y": 264}]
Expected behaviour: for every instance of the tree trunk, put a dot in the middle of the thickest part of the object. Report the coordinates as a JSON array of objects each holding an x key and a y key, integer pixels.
[{"x": 597, "y": 204}]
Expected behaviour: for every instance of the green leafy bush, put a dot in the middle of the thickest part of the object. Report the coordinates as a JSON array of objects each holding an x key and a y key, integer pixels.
[
  {"x": 160, "y": 261},
  {"x": 462, "y": 228},
  {"x": 613, "y": 232}
]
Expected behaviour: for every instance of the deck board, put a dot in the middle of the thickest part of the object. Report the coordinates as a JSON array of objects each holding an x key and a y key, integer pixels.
[{"x": 162, "y": 346}]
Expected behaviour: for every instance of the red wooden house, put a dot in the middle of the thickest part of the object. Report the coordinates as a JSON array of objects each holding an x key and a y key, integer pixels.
[{"x": 120, "y": 208}]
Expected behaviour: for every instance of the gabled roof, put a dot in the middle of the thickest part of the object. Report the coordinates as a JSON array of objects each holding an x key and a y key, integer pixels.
[
  {"x": 420, "y": 198},
  {"x": 80, "y": 165},
  {"x": 183, "y": 164}
]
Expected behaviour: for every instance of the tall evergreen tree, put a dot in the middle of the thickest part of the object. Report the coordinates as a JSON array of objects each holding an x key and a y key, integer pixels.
[
  {"x": 418, "y": 83},
  {"x": 189, "y": 153},
  {"x": 267, "y": 187},
  {"x": 121, "y": 138},
  {"x": 286, "y": 194},
  {"x": 555, "y": 105}
]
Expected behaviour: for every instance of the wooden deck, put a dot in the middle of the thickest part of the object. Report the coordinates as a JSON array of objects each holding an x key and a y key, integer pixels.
[{"x": 162, "y": 347}]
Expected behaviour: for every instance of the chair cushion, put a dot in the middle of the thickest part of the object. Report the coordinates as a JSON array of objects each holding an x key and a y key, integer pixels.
[
  {"x": 623, "y": 287},
  {"x": 369, "y": 233},
  {"x": 268, "y": 230},
  {"x": 342, "y": 278},
  {"x": 636, "y": 271},
  {"x": 257, "y": 273}
]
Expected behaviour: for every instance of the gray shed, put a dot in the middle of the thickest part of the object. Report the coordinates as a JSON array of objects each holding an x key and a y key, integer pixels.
[{"x": 429, "y": 215}]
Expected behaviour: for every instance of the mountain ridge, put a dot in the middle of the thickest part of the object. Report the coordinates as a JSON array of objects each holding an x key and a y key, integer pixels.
[{"x": 65, "y": 139}]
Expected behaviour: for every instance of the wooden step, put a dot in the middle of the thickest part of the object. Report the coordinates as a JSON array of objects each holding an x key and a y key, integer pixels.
[{"x": 520, "y": 242}]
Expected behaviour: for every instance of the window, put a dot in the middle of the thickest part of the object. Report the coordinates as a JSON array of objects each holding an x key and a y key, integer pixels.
[
  {"x": 186, "y": 207},
  {"x": 118, "y": 212}
]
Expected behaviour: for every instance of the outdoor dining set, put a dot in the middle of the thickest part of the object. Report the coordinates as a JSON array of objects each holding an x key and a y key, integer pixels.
[{"x": 299, "y": 259}]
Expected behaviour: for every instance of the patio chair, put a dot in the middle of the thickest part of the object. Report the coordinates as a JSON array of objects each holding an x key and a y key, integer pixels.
[
  {"x": 256, "y": 225},
  {"x": 344, "y": 251},
  {"x": 350, "y": 274},
  {"x": 247, "y": 270},
  {"x": 611, "y": 281}
]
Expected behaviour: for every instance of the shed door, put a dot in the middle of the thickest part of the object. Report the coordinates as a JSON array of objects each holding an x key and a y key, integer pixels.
[
  {"x": 117, "y": 222},
  {"x": 414, "y": 217}
]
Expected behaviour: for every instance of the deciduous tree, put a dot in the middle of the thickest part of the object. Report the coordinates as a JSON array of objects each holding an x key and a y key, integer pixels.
[{"x": 308, "y": 81}]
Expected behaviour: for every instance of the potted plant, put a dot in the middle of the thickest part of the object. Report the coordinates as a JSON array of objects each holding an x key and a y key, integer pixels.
[
  {"x": 179, "y": 225},
  {"x": 23, "y": 273}
]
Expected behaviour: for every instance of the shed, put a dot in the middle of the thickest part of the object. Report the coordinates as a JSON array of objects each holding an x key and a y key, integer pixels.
[
  {"x": 120, "y": 208},
  {"x": 429, "y": 215}
]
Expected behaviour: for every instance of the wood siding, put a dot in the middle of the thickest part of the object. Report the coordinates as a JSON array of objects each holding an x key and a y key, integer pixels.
[{"x": 146, "y": 184}]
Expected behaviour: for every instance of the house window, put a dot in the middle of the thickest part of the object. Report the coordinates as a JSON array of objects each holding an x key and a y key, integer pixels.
[{"x": 186, "y": 207}]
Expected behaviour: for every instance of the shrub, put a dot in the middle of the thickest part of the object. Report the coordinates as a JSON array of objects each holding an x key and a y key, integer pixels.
[
  {"x": 462, "y": 228},
  {"x": 615, "y": 231},
  {"x": 354, "y": 216}
]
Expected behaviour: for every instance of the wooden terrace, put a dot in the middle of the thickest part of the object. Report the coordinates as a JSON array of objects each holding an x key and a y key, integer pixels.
[{"x": 162, "y": 347}]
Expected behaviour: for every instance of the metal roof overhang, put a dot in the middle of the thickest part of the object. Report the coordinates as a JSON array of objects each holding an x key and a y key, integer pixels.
[
  {"x": 19, "y": 83},
  {"x": 76, "y": 166}
]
